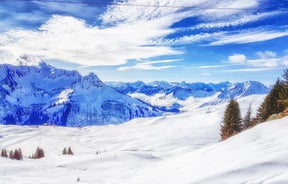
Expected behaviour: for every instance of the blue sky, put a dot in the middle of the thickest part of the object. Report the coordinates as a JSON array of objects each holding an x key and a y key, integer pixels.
[{"x": 129, "y": 40}]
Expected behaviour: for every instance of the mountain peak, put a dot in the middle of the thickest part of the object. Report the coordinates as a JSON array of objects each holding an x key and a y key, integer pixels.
[{"x": 28, "y": 60}]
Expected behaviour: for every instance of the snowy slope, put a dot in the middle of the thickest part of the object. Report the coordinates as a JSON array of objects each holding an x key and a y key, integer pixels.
[
  {"x": 181, "y": 148},
  {"x": 44, "y": 94},
  {"x": 258, "y": 155}
]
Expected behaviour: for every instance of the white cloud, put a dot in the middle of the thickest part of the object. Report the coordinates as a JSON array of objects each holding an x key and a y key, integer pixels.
[
  {"x": 237, "y": 59},
  {"x": 228, "y": 37},
  {"x": 135, "y": 32},
  {"x": 248, "y": 36},
  {"x": 266, "y": 59},
  {"x": 266, "y": 54},
  {"x": 248, "y": 70},
  {"x": 152, "y": 10},
  {"x": 161, "y": 61},
  {"x": 269, "y": 62},
  {"x": 217, "y": 13},
  {"x": 226, "y": 8},
  {"x": 148, "y": 65},
  {"x": 210, "y": 66},
  {"x": 141, "y": 66},
  {"x": 72, "y": 40},
  {"x": 192, "y": 38},
  {"x": 236, "y": 20}
]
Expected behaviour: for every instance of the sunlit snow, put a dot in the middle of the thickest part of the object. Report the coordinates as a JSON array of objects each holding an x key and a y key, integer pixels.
[{"x": 182, "y": 148}]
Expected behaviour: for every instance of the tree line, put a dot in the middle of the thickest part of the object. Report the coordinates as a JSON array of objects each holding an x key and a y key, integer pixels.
[{"x": 275, "y": 102}]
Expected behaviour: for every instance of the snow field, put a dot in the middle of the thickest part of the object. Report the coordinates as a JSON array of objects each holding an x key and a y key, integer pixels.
[{"x": 182, "y": 148}]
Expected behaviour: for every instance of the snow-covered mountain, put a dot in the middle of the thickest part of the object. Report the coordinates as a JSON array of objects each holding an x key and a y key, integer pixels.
[
  {"x": 171, "y": 96},
  {"x": 44, "y": 94},
  {"x": 184, "y": 90}
]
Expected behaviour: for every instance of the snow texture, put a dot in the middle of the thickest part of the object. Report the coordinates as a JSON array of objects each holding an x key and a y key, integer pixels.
[{"x": 182, "y": 148}]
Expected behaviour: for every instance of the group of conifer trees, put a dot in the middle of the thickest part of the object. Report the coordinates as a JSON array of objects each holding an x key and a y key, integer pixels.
[
  {"x": 39, "y": 153},
  {"x": 275, "y": 102},
  {"x": 17, "y": 154}
]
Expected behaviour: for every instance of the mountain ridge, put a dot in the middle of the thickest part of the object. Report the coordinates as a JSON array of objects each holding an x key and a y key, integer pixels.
[
  {"x": 43, "y": 94},
  {"x": 169, "y": 96},
  {"x": 228, "y": 89}
]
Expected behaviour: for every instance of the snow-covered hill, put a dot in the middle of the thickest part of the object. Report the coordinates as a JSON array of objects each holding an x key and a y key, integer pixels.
[
  {"x": 182, "y": 148},
  {"x": 173, "y": 96},
  {"x": 258, "y": 155},
  {"x": 44, "y": 94}
]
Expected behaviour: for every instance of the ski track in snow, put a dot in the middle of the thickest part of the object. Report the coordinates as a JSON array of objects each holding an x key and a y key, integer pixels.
[{"x": 182, "y": 148}]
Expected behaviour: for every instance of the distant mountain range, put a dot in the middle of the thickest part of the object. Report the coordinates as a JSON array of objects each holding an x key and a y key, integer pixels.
[
  {"x": 33, "y": 95},
  {"x": 182, "y": 91}
]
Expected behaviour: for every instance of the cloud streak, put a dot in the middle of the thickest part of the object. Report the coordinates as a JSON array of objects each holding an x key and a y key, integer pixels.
[
  {"x": 148, "y": 65},
  {"x": 248, "y": 36}
]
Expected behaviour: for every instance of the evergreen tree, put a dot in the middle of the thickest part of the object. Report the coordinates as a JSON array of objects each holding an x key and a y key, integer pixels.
[
  {"x": 285, "y": 76},
  {"x": 16, "y": 155},
  {"x": 284, "y": 90},
  {"x": 70, "y": 151},
  {"x": 64, "y": 152},
  {"x": 39, "y": 153},
  {"x": 272, "y": 103},
  {"x": 231, "y": 120},
  {"x": 247, "y": 121},
  {"x": 4, "y": 153}
]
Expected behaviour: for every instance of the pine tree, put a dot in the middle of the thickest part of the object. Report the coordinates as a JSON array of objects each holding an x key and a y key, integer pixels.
[
  {"x": 16, "y": 155},
  {"x": 70, "y": 151},
  {"x": 4, "y": 153},
  {"x": 285, "y": 76},
  {"x": 231, "y": 120},
  {"x": 284, "y": 90},
  {"x": 64, "y": 152},
  {"x": 272, "y": 103},
  {"x": 247, "y": 121},
  {"x": 39, "y": 153}
]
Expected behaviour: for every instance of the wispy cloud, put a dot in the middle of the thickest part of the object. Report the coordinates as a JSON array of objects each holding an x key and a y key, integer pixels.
[
  {"x": 242, "y": 36},
  {"x": 210, "y": 66},
  {"x": 248, "y": 70},
  {"x": 149, "y": 65},
  {"x": 236, "y": 20},
  {"x": 248, "y": 36},
  {"x": 143, "y": 66}
]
